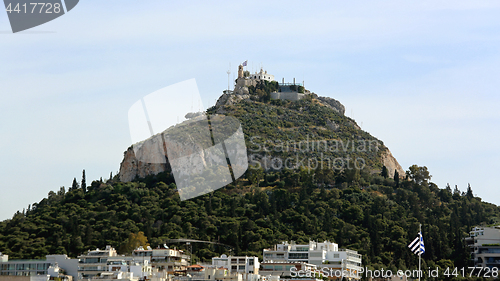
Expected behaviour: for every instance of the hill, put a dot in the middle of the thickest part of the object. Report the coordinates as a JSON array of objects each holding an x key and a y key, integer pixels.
[{"x": 362, "y": 209}]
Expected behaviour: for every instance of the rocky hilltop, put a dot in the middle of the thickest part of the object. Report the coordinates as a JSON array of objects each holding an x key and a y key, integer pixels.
[{"x": 279, "y": 130}]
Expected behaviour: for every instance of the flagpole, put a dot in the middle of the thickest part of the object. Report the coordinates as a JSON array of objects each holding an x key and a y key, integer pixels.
[{"x": 419, "y": 256}]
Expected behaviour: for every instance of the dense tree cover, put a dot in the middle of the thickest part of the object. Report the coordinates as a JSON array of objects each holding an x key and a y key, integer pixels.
[{"x": 376, "y": 218}]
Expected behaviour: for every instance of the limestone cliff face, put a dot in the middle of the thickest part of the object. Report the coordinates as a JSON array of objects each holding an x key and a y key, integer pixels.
[
  {"x": 391, "y": 164},
  {"x": 149, "y": 157},
  {"x": 332, "y": 103},
  {"x": 196, "y": 148},
  {"x": 131, "y": 167}
]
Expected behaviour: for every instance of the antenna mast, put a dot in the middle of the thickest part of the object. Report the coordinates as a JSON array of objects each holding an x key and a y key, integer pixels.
[{"x": 228, "y": 72}]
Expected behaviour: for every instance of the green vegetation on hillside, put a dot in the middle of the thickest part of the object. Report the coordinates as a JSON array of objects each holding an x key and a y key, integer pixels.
[
  {"x": 281, "y": 125},
  {"x": 378, "y": 220}
]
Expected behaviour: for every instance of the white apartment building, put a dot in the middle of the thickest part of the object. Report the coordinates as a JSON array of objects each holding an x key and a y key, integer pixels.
[
  {"x": 106, "y": 264},
  {"x": 38, "y": 267},
  {"x": 239, "y": 264},
  {"x": 484, "y": 243},
  {"x": 324, "y": 254},
  {"x": 171, "y": 260},
  {"x": 94, "y": 262}
]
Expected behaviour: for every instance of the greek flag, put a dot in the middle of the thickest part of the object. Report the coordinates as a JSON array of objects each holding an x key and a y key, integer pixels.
[
  {"x": 417, "y": 246},
  {"x": 245, "y": 63}
]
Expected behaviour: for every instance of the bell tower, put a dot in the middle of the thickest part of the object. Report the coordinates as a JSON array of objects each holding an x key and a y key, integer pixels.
[{"x": 240, "y": 71}]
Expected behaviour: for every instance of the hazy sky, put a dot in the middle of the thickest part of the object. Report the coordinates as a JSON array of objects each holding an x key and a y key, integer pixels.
[{"x": 423, "y": 76}]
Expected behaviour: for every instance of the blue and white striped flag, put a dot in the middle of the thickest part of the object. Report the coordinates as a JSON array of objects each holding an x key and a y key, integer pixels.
[
  {"x": 245, "y": 63},
  {"x": 417, "y": 246}
]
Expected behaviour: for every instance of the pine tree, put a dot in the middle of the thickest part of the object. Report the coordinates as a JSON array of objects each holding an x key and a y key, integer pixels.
[
  {"x": 75, "y": 185},
  {"x": 470, "y": 195},
  {"x": 84, "y": 182},
  {"x": 448, "y": 188},
  {"x": 396, "y": 178},
  {"x": 384, "y": 172}
]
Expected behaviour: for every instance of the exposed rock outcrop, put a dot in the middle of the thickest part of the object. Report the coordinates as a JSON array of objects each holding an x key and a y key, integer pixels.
[
  {"x": 232, "y": 97},
  {"x": 131, "y": 167},
  {"x": 391, "y": 164},
  {"x": 332, "y": 103},
  {"x": 332, "y": 125}
]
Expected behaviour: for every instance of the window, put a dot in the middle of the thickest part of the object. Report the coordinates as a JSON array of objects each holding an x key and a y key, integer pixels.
[
  {"x": 234, "y": 267},
  {"x": 336, "y": 256},
  {"x": 31, "y": 266},
  {"x": 298, "y": 255},
  {"x": 250, "y": 262},
  {"x": 40, "y": 266},
  {"x": 267, "y": 267},
  {"x": 241, "y": 267},
  {"x": 91, "y": 260}
]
